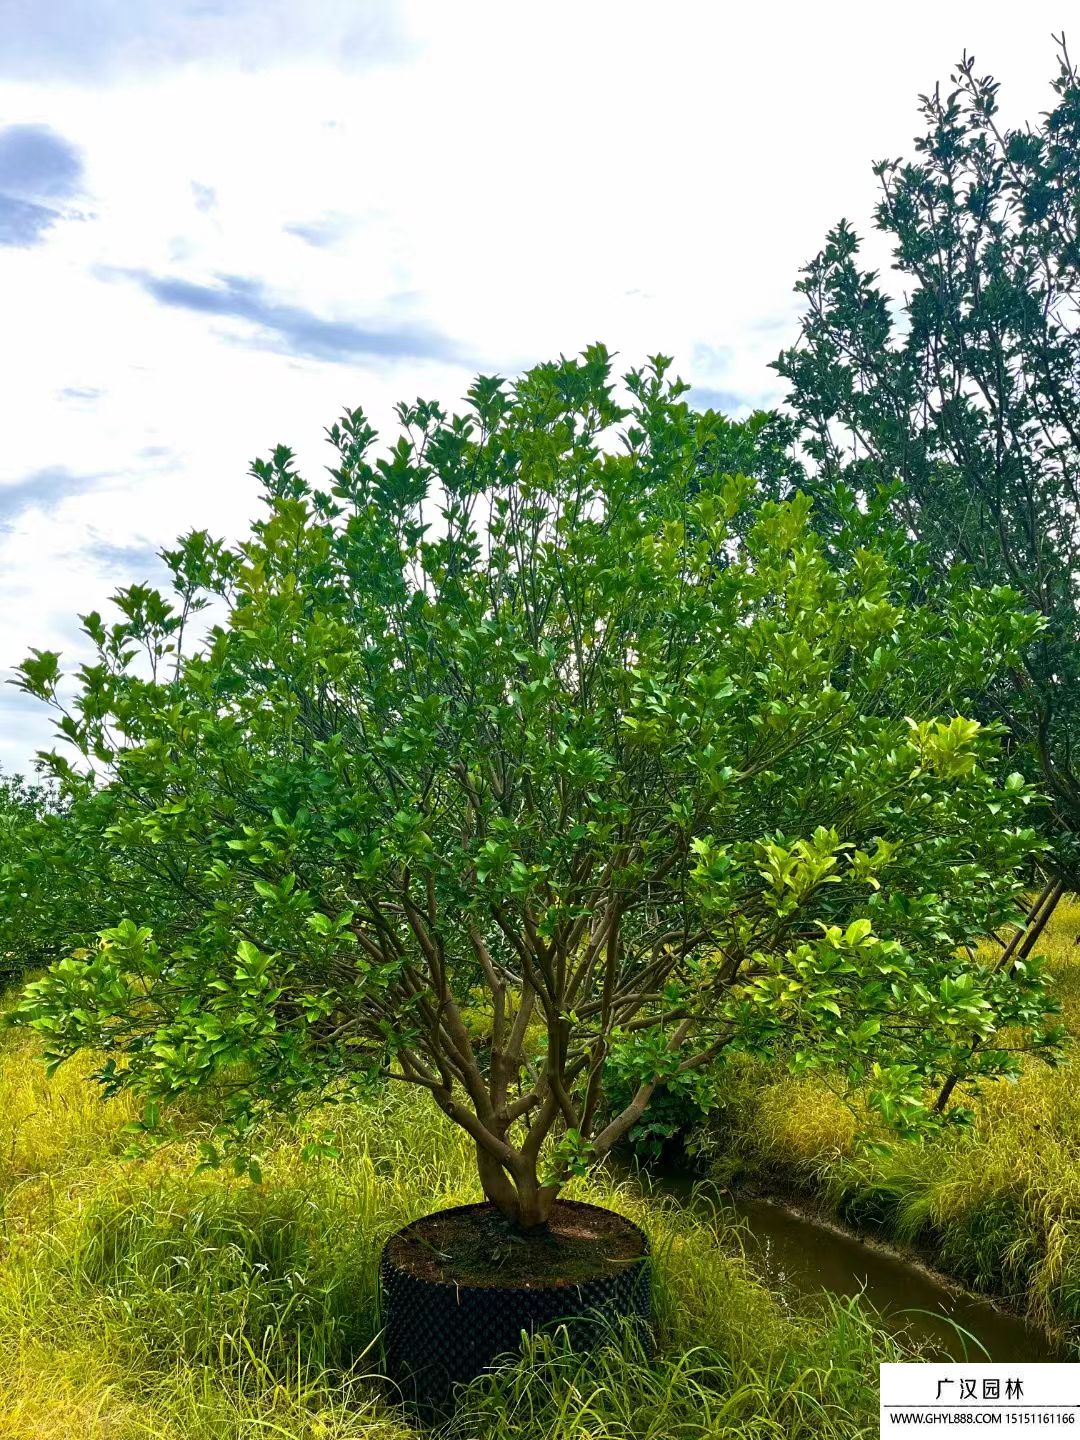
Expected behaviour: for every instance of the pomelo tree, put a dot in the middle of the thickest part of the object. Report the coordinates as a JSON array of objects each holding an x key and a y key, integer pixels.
[{"x": 542, "y": 718}]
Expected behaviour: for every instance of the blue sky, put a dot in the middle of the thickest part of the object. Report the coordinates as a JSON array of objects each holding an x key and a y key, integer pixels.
[{"x": 222, "y": 221}]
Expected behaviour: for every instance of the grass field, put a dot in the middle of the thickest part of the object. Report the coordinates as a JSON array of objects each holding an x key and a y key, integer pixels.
[
  {"x": 142, "y": 1300},
  {"x": 997, "y": 1206}
]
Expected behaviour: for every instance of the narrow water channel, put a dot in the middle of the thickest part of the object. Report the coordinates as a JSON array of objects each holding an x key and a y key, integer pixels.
[{"x": 801, "y": 1258}]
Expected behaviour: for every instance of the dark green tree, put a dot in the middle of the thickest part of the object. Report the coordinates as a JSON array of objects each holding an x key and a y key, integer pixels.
[{"x": 950, "y": 396}]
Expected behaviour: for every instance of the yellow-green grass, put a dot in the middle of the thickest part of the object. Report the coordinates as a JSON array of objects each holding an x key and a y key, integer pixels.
[
  {"x": 997, "y": 1205},
  {"x": 143, "y": 1300},
  {"x": 140, "y": 1299}
]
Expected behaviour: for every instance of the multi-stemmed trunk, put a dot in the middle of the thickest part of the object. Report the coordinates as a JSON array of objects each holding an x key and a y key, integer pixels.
[{"x": 520, "y": 1196}]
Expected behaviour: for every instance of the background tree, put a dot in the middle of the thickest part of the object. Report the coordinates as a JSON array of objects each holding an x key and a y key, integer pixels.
[
  {"x": 42, "y": 898},
  {"x": 960, "y": 403},
  {"x": 502, "y": 722}
]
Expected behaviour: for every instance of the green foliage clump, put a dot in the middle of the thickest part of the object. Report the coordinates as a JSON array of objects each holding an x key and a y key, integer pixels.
[{"x": 43, "y": 903}]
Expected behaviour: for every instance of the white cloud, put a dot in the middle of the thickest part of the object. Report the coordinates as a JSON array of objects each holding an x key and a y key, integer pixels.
[{"x": 519, "y": 179}]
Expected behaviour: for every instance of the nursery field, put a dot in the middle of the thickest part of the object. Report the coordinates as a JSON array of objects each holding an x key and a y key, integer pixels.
[
  {"x": 138, "y": 1299},
  {"x": 996, "y": 1205}
]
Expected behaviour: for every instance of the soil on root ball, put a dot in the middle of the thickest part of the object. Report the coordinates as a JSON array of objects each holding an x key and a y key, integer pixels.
[{"x": 478, "y": 1246}]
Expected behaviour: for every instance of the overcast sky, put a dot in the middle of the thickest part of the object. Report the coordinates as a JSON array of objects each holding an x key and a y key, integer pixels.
[{"x": 222, "y": 221}]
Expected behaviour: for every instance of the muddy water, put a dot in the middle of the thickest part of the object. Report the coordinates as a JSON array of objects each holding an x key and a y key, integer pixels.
[{"x": 802, "y": 1258}]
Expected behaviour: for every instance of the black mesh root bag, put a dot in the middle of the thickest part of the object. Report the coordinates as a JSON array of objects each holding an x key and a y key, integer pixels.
[{"x": 438, "y": 1334}]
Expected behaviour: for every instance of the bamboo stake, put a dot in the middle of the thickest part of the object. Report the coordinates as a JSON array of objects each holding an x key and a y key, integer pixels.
[{"x": 1018, "y": 948}]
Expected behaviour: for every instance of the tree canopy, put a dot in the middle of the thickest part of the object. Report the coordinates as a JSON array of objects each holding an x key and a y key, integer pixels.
[{"x": 542, "y": 718}]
